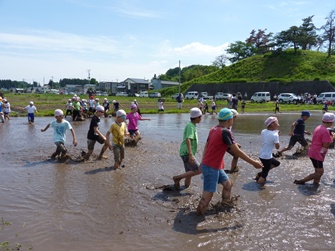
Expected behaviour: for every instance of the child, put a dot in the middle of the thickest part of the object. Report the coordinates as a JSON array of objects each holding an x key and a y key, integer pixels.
[
  {"x": 1, "y": 113},
  {"x": 6, "y": 109},
  {"x": 213, "y": 107},
  {"x": 297, "y": 134},
  {"x": 133, "y": 118},
  {"x": 31, "y": 109},
  {"x": 106, "y": 106},
  {"x": 160, "y": 105},
  {"x": 277, "y": 106},
  {"x": 94, "y": 135},
  {"x": 118, "y": 130},
  {"x": 318, "y": 149},
  {"x": 69, "y": 108},
  {"x": 233, "y": 167},
  {"x": 242, "y": 106},
  {"x": 206, "y": 107},
  {"x": 188, "y": 149},
  {"x": 270, "y": 139},
  {"x": 60, "y": 125},
  {"x": 212, "y": 165}
]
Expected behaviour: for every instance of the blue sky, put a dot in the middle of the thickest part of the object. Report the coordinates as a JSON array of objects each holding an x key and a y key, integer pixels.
[{"x": 114, "y": 40}]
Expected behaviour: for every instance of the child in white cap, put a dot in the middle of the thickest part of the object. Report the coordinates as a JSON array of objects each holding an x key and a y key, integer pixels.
[
  {"x": 270, "y": 139},
  {"x": 321, "y": 140},
  {"x": 188, "y": 149},
  {"x": 118, "y": 131},
  {"x": 94, "y": 135},
  {"x": 31, "y": 109},
  {"x": 60, "y": 125}
]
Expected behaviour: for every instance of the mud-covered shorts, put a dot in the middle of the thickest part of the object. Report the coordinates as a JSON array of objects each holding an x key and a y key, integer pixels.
[
  {"x": 60, "y": 147},
  {"x": 188, "y": 166}
]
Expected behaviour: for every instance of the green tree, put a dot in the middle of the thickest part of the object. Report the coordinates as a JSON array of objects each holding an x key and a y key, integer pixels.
[
  {"x": 328, "y": 34},
  {"x": 307, "y": 34},
  {"x": 220, "y": 61},
  {"x": 240, "y": 50}
]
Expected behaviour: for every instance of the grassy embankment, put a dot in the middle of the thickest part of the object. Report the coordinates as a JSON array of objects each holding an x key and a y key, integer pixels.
[
  {"x": 47, "y": 103},
  {"x": 283, "y": 67}
]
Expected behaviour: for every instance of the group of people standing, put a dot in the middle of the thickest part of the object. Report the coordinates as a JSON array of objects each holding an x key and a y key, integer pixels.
[
  {"x": 221, "y": 140},
  {"x": 4, "y": 109}
]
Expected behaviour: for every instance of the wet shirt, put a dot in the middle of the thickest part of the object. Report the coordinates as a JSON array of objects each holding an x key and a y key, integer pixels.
[
  {"x": 269, "y": 139},
  {"x": 320, "y": 135},
  {"x": 60, "y": 130},
  {"x": 95, "y": 121},
  {"x": 299, "y": 127},
  {"x": 31, "y": 108},
  {"x": 133, "y": 120},
  {"x": 190, "y": 132},
  {"x": 218, "y": 141},
  {"x": 118, "y": 131}
]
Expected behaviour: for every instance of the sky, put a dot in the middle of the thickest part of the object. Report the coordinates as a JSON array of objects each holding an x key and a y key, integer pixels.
[{"x": 112, "y": 40}]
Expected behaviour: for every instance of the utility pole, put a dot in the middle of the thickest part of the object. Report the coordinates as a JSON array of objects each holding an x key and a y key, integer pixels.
[{"x": 179, "y": 78}]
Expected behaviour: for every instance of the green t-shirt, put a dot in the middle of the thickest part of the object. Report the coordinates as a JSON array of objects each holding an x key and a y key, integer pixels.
[
  {"x": 190, "y": 132},
  {"x": 76, "y": 105}
]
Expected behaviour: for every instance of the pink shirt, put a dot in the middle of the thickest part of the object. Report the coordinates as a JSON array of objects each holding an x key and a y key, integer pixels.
[
  {"x": 320, "y": 135},
  {"x": 133, "y": 120}
]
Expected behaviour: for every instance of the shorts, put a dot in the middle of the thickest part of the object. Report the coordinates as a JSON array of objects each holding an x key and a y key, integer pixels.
[
  {"x": 213, "y": 177},
  {"x": 132, "y": 132},
  {"x": 118, "y": 153},
  {"x": 60, "y": 147},
  {"x": 31, "y": 117},
  {"x": 188, "y": 166},
  {"x": 298, "y": 138},
  {"x": 317, "y": 163},
  {"x": 91, "y": 143},
  {"x": 267, "y": 163}
]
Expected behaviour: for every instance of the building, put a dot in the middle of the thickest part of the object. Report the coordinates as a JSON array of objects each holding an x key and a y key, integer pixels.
[
  {"x": 134, "y": 85},
  {"x": 159, "y": 84}
]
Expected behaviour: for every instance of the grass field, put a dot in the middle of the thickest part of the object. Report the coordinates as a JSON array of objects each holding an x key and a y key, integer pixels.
[{"x": 47, "y": 103}]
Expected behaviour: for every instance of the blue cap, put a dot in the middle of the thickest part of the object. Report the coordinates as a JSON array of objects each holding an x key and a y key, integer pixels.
[
  {"x": 225, "y": 114},
  {"x": 305, "y": 113}
]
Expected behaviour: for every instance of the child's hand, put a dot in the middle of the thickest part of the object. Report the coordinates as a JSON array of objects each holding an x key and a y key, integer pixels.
[
  {"x": 110, "y": 147},
  {"x": 42, "y": 130},
  {"x": 75, "y": 142}
]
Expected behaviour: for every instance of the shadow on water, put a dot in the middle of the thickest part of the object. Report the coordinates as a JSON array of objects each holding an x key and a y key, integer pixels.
[
  {"x": 252, "y": 186},
  {"x": 169, "y": 192},
  {"x": 187, "y": 222},
  {"x": 309, "y": 189},
  {"x": 101, "y": 169},
  {"x": 332, "y": 210}
]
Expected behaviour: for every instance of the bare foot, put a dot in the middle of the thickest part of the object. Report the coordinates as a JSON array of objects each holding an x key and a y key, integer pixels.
[{"x": 176, "y": 182}]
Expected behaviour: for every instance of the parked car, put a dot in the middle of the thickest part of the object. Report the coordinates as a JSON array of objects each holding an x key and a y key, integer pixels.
[
  {"x": 174, "y": 96},
  {"x": 222, "y": 96},
  {"x": 205, "y": 95},
  {"x": 133, "y": 95},
  {"x": 191, "y": 95},
  {"x": 122, "y": 94},
  {"x": 155, "y": 95},
  {"x": 144, "y": 94},
  {"x": 326, "y": 96},
  {"x": 260, "y": 97},
  {"x": 288, "y": 98}
]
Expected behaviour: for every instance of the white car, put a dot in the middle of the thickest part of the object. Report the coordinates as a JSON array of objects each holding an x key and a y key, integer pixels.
[
  {"x": 144, "y": 94},
  {"x": 122, "y": 94},
  {"x": 222, "y": 96},
  {"x": 191, "y": 95},
  {"x": 288, "y": 98}
]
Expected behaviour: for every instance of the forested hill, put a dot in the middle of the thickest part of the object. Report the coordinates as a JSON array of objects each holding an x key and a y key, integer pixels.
[{"x": 285, "y": 66}]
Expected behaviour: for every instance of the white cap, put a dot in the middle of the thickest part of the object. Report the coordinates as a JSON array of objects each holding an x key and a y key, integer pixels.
[
  {"x": 31, "y": 102},
  {"x": 120, "y": 113},
  {"x": 97, "y": 99},
  {"x": 195, "y": 112},
  {"x": 100, "y": 108},
  {"x": 235, "y": 113},
  {"x": 105, "y": 99},
  {"x": 59, "y": 112},
  {"x": 328, "y": 117}
]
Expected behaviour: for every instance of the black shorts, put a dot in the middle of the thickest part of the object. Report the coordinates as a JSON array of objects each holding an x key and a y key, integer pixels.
[
  {"x": 267, "y": 163},
  {"x": 317, "y": 163},
  {"x": 298, "y": 138}
]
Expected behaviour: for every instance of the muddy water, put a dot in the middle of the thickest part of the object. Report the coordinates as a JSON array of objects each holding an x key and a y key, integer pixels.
[{"x": 90, "y": 206}]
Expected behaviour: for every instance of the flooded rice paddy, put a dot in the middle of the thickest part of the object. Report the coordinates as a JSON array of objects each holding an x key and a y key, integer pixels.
[{"x": 90, "y": 206}]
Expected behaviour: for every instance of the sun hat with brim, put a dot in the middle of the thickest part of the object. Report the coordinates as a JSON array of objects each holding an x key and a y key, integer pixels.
[
  {"x": 195, "y": 113},
  {"x": 120, "y": 113},
  {"x": 58, "y": 112},
  {"x": 235, "y": 113},
  {"x": 305, "y": 113},
  {"x": 225, "y": 114},
  {"x": 328, "y": 117},
  {"x": 270, "y": 120},
  {"x": 100, "y": 108}
]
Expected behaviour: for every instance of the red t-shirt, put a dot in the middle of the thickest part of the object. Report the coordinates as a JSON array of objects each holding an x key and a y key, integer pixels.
[{"x": 218, "y": 141}]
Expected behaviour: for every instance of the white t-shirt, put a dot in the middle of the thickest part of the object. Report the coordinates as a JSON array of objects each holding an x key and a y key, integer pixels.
[
  {"x": 269, "y": 139},
  {"x": 31, "y": 109},
  {"x": 60, "y": 130}
]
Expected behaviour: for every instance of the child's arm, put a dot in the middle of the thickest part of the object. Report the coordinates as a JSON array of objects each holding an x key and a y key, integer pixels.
[
  {"x": 74, "y": 137},
  {"x": 107, "y": 142},
  {"x": 292, "y": 128},
  {"x": 189, "y": 149},
  {"x": 144, "y": 119},
  {"x": 96, "y": 131},
  {"x": 46, "y": 128},
  {"x": 239, "y": 153}
]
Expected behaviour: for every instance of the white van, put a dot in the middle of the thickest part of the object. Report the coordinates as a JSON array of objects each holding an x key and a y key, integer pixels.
[
  {"x": 326, "y": 96},
  {"x": 191, "y": 95},
  {"x": 144, "y": 94},
  {"x": 261, "y": 97}
]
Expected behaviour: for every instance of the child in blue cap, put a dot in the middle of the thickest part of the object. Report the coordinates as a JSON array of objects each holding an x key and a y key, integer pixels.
[
  {"x": 297, "y": 133},
  {"x": 220, "y": 138}
]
